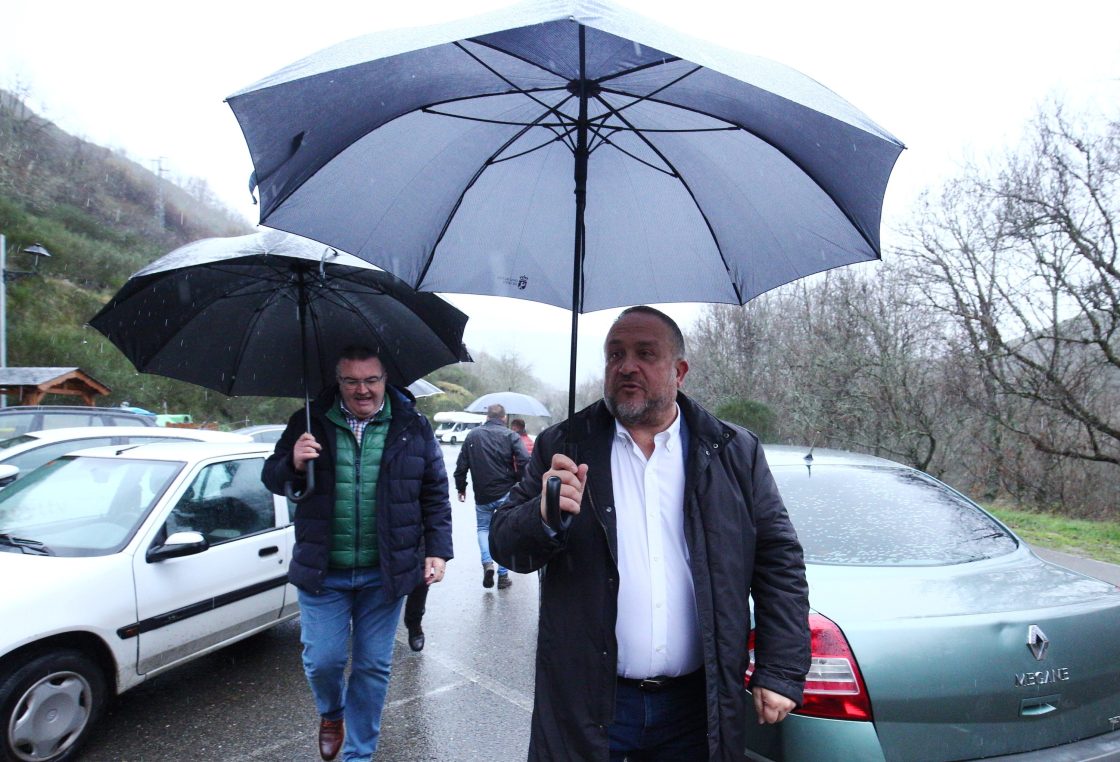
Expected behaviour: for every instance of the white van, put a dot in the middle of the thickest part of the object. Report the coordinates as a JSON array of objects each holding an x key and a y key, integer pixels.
[{"x": 453, "y": 427}]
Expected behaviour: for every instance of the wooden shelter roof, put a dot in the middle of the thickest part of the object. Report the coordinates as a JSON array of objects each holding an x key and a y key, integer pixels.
[{"x": 30, "y": 385}]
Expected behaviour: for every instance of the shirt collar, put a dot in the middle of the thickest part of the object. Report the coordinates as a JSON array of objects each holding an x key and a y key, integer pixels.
[{"x": 669, "y": 438}]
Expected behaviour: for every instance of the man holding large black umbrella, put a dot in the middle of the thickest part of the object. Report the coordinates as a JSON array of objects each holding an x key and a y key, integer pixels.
[
  {"x": 671, "y": 520},
  {"x": 377, "y": 523}
]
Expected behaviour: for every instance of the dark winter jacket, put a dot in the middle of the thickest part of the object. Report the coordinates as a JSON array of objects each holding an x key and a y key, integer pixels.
[
  {"x": 495, "y": 456},
  {"x": 740, "y": 542},
  {"x": 413, "y": 510}
]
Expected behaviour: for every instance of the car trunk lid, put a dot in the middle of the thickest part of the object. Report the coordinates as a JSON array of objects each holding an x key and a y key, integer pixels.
[{"x": 947, "y": 656}]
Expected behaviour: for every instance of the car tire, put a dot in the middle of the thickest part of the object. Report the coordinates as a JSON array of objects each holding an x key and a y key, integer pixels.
[
  {"x": 48, "y": 705},
  {"x": 454, "y": 440}
]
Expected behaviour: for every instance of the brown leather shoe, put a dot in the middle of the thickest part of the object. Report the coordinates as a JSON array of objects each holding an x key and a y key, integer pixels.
[{"x": 331, "y": 733}]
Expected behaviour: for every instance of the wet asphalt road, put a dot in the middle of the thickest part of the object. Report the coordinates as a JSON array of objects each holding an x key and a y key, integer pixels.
[{"x": 467, "y": 696}]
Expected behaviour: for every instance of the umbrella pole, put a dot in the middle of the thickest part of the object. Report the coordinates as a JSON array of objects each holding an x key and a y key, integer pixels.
[
  {"x": 552, "y": 490},
  {"x": 289, "y": 491},
  {"x": 579, "y": 249}
]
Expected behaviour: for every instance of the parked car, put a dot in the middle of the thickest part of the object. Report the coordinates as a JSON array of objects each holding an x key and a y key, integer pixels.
[
  {"x": 27, "y": 452},
  {"x": 130, "y": 561},
  {"x": 264, "y": 432},
  {"x": 937, "y": 634},
  {"x": 25, "y": 418},
  {"x": 452, "y": 427}
]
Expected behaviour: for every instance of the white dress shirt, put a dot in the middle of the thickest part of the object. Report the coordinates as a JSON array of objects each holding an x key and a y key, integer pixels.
[{"x": 657, "y": 628}]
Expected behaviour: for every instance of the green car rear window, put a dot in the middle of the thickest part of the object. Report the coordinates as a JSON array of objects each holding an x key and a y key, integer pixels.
[{"x": 885, "y": 517}]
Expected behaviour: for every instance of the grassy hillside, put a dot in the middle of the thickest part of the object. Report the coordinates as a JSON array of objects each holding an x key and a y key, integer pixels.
[{"x": 96, "y": 211}]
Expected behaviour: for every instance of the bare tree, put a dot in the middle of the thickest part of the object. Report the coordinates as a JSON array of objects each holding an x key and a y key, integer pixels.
[
  {"x": 847, "y": 359},
  {"x": 1022, "y": 256},
  {"x": 507, "y": 373}
]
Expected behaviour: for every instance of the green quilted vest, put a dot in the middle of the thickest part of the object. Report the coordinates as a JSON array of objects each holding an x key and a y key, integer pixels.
[{"x": 354, "y": 525}]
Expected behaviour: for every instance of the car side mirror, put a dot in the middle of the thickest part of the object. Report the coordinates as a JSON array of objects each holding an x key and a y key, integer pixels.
[
  {"x": 176, "y": 545},
  {"x": 8, "y": 474}
]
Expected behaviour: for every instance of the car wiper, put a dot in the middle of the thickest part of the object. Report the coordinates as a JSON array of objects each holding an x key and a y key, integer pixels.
[{"x": 26, "y": 546}]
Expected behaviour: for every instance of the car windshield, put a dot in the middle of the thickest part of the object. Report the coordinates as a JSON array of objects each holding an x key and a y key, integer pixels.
[
  {"x": 871, "y": 516},
  {"x": 83, "y": 506},
  {"x": 15, "y": 441}
]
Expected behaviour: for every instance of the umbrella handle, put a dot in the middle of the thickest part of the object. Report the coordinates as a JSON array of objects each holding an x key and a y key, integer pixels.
[
  {"x": 299, "y": 497},
  {"x": 552, "y": 502}
]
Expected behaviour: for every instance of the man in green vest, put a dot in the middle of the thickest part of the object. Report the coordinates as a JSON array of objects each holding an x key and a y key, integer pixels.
[{"x": 377, "y": 524}]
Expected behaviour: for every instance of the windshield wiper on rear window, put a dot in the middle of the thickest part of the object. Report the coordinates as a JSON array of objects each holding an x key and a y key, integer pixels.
[{"x": 33, "y": 547}]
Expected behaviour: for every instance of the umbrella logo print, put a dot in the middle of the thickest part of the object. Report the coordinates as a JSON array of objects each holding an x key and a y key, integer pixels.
[{"x": 520, "y": 283}]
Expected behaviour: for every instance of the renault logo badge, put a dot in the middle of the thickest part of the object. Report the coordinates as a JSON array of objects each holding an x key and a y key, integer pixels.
[{"x": 1037, "y": 642}]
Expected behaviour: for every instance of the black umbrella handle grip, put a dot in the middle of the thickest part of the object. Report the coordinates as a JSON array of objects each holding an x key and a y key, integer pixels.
[
  {"x": 299, "y": 497},
  {"x": 552, "y": 502}
]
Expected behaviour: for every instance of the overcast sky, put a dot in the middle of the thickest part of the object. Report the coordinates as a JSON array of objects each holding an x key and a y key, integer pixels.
[{"x": 950, "y": 79}]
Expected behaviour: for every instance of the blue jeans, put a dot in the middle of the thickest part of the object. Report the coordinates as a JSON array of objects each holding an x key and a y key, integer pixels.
[
  {"x": 351, "y": 612},
  {"x": 670, "y": 725},
  {"x": 482, "y": 514}
]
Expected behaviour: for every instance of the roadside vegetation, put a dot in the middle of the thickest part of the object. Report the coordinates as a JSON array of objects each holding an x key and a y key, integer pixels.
[{"x": 1099, "y": 540}]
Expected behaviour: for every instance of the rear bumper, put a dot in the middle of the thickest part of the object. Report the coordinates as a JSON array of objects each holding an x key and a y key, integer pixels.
[
  {"x": 811, "y": 739},
  {"x": 1105, "y": 748}
]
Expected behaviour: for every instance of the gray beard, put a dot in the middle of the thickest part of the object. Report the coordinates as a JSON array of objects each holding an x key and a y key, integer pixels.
[{"x": 634, "y": 413}]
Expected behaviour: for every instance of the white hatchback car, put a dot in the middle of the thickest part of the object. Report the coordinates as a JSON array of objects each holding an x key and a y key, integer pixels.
[
  {"x": 31, "y": 450},
  {"x": 131, "y": 560}
]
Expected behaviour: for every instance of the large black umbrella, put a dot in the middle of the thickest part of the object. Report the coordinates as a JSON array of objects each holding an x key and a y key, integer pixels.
[
  {"x": 572, "y": 153},
  {"x": 267, "y": 315}
]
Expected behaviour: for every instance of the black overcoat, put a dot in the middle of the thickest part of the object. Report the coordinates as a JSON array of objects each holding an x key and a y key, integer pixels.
[
  {"x": 413, "y": 507},
  {"x": 740, "y": 543}
]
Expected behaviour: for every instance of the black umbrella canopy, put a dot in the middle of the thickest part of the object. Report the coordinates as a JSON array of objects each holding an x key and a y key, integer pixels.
[
  {"x": 224, "y": 313},
  {"x": 569, "y": 152}
]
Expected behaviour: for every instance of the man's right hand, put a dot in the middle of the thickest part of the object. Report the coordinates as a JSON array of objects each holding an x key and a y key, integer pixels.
[
  {"x": 462, "y": 497},
  {"x": 573, "y": 478},
  {"x": 306, "y": 448}
]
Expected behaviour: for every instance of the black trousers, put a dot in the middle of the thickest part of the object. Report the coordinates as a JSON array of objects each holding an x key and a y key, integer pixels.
[{"x": 414, "y": 606}]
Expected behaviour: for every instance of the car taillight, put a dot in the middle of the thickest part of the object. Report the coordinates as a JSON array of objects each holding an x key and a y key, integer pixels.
[{"x": 833, "y": 687}]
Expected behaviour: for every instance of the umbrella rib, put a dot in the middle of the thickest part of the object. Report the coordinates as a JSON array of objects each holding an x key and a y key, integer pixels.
[
  {"x": 847, "y": 214},
  {"x": 258, "y": 313},
  {"x": 459, "y": 201},
  {"x": 381, "y": 346},
  {"x": 642, "y": 67},
  {"x": 650, "y": 95},
  {"x": 538, "y": 123},
  {"x": 527, "y": 93},
  {"x": 632, "y": 70},
  {"x": 699, "y": 209}
]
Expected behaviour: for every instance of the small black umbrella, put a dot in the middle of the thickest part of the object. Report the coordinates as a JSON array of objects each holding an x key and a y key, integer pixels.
[{"x": 267, "y": 314}]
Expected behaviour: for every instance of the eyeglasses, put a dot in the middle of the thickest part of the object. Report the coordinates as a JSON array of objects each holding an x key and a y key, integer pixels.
[{"x": 357, "y": 383}]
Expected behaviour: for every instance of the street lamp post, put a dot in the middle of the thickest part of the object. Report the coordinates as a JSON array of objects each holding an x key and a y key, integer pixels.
[{"x": 36, "y": 250}]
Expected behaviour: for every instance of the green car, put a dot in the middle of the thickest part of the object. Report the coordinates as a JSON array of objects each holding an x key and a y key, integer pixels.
[{"x": 936, "y": 633}]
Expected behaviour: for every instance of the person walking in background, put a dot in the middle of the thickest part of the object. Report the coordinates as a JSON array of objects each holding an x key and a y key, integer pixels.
[
  {"x": 495, "y": 458},
  {"x": 671, "y": 524},
  {"x": 377, "y": 525},
  {"x": 517, "y": 426}
]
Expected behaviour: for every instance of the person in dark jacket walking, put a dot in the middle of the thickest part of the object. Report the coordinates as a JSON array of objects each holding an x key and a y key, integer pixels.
[
  {"x": 377, "y": 524},
  {"x": 495, "y": 458},
  {"x": 670, "y": 521}
]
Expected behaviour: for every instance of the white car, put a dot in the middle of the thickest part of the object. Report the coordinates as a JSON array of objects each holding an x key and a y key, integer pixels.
[
  {"x": 121, "y": 563},
  {"x": 454, "y": 433},
  {"x": 29, "y": 451}
]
